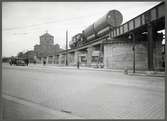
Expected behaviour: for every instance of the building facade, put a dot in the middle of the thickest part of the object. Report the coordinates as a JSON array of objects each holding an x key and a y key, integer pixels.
[{"x": 46, "y": 50}]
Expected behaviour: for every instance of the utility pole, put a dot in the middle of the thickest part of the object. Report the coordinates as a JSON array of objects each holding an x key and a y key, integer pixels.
[{"x": 66, "y": 47}]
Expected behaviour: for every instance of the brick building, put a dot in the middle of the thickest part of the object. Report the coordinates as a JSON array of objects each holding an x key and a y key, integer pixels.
[{"x": 46, "y": 49}]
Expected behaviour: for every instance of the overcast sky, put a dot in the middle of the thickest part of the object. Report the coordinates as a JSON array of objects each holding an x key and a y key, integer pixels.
[{"x": 24, "y": 22}]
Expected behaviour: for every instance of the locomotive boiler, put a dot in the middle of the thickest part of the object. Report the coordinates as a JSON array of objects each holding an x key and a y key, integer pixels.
[
  {"x": 98, "y": 29},
  {"x": 76, "y": 41}
]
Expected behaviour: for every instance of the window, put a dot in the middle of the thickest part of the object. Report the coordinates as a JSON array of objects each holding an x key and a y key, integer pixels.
[
  {"x": 94, "y": 58},
  {"x": 83, "y": 59}
]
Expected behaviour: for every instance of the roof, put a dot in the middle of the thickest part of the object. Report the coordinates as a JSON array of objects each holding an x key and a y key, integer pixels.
[{"x": 46, "y": 34}]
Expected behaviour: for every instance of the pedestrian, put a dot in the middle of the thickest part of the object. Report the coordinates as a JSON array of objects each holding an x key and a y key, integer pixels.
[
  {"x": 78, "y": 64},
  {"x": 14, "y": 62},
  {"x": 34, "y": 62},
  {"x": 10, "y": 61},
  {"x": 44, "y": 62},
  {"x": 26, "y": 61}
]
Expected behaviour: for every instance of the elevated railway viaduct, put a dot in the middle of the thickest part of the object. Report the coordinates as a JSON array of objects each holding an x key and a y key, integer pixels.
[{"x": 137, "y": 42}]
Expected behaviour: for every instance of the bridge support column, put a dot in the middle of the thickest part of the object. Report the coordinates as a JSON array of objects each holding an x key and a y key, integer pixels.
[
  {"x": 57, "y": 59},
  {"x": 108, "y": 52},
  {"x": 89, "y": 55},
  {"x": 60, "y": 59},
  {"x": 53, "y": 60},
  {"x": 76, "y": 57},
  {"x": 151, "y": 39},
  {"x": 71, "y": 58},
  {"x": 42, "y": 59},
  {"x": 158, "y": 53},
  {"x": 47, "y": 59},
  {"x": 118, "y": 54}
]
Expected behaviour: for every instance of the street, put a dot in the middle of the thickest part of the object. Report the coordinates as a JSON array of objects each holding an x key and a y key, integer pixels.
[{"x": 86, "y": 93}]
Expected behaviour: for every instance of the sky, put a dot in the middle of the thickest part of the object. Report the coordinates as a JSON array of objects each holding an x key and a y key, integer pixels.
[{"x": 24, "y": 22}]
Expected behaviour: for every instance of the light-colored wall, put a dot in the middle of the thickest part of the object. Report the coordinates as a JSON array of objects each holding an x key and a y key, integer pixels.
[
  {"x": 120, "y": 56},
  {"x": 157, "y": 62}
]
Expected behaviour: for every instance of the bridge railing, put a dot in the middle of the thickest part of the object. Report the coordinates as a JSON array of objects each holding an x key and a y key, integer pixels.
[{"x": 152, "y": 14}]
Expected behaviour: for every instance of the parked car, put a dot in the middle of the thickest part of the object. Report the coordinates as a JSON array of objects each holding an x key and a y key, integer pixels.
[{"x": 20, "y": 62}]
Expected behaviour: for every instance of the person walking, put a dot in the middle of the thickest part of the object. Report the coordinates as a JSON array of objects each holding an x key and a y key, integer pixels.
[
  {"x": 26, "y": 61},
  {"x": 44, "y": 62},
  {"x": 10, "y": 62},
  {"x": 78, "y": 64}
]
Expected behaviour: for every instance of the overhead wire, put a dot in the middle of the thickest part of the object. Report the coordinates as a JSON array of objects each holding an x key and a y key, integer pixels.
[{"x": 49, "y": 22}]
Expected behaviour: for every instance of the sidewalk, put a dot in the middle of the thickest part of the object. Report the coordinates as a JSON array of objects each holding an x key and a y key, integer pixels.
[
  {"x": 14, "y": 108},
  {"x": 129, "y": 72}
]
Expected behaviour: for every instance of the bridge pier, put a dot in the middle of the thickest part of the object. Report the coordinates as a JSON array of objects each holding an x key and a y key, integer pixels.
[
  {"x": 41, "y": 60},
  {"x": 154, "y": 48},
  {"x": 57, "y": 59},
  {"x": 71, "y": 58},
  {"x": 157, "y": 53},
  {"x": 61, "y": 59},
  {"x": 53, "y": 59},
  {"x": 151, "y": 39},
  {"x": 118, "y": 54},
  {"x": 76, "y": 57},
  {"x": 49, "y": 59},
  {"x": 89, "y": 55}
]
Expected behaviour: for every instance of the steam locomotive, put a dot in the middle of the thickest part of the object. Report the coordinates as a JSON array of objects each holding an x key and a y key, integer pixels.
[{"x": 98, "y": 29}]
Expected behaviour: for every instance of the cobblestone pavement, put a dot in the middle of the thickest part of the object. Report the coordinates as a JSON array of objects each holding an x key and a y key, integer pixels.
[{"x": 86, "y": 93}]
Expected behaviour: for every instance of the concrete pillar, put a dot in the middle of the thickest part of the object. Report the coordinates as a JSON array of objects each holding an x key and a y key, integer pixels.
[
  {"x": 53, "y": 60},
  {"x": 42, "y": 59},
  {"x": 151, "y": 39},
  {"x": 101, "y": 56},
  {"x": 47, "y": 59},
  {"x": 157, "y": 61},
  {"x": 63, "y": 59},
  {"x": 119, "y": 54},
  {"x": 76, "y": 56},
  {"x": 66, "y": 58},
  {"x": 107, "y": 55},
  {"x": 60, "y": 56},
  {"x": 89, "y": 55},
  {"x": 165, "y": 55},
  {"x": 71, "y": 59},
  {"x": 56, "y": 59}
]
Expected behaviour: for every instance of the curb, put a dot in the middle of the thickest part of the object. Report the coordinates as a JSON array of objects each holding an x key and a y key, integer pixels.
[{"x": 127, "y": 72}]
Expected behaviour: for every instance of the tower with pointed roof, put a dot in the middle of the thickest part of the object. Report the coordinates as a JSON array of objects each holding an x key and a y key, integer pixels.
[
  {"x": 46, "y": 39},
  {"x": 46, "y": 46}
]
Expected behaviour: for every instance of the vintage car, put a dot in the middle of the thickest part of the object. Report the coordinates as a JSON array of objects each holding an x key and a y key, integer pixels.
[
  {"x": 17, "y": 62},
  {"x": 20, "y": 62}
]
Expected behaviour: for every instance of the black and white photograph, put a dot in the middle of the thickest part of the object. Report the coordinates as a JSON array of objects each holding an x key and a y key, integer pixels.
[{"x": 83, "y": 60}]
